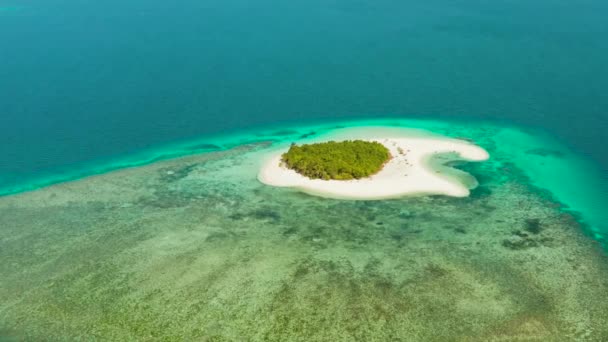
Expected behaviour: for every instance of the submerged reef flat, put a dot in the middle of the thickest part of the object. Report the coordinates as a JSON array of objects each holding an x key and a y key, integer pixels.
[{"x": 196, "y": 248}]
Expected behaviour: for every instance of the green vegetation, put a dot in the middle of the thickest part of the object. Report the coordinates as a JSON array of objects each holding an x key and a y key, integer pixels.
[{"x": 351, "y": 159}]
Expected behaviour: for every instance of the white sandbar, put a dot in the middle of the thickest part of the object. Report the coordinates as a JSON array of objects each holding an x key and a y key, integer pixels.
[{"x": 407, "y": 173}]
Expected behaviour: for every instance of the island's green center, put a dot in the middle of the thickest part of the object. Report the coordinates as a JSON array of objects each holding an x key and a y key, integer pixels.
[{"x": 351, "y": 159}]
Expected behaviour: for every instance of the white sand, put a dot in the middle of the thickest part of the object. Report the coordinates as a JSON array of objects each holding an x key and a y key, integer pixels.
[{"x": 405, "y": 174}]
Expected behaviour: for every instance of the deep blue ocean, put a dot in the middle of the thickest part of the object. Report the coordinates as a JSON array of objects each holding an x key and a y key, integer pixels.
[{"x": 82, "y": 81}]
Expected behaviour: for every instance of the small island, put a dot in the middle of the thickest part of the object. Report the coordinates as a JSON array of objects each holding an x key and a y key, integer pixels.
[
  {"x": 344, "y": 160},
  {"x": 377, "y": 167}
]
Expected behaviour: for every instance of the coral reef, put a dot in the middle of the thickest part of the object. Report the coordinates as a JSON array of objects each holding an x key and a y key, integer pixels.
[{"x": 196, "y": 249}]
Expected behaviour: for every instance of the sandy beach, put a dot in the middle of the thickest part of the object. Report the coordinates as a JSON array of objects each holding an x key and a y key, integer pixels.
[{"x": 409, "y": 172}]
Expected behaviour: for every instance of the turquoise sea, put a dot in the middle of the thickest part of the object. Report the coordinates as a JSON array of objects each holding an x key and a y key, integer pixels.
[{"x": 131, "y": 134}]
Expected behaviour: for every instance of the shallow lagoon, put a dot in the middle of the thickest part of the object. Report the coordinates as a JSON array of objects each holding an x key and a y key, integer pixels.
[{"x": 196, "y": 248}]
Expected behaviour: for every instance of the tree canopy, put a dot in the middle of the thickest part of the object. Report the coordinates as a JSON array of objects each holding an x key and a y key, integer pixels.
[{"x": 351, "y": 159}]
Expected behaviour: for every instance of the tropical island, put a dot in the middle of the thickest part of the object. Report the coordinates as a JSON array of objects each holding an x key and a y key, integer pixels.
[
  {"x": 345, "y": 160},
  {"x": 379, "y": 167}
]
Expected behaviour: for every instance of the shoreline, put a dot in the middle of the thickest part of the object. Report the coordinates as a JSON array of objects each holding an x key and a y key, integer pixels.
[{"x": 405, "y": 174}]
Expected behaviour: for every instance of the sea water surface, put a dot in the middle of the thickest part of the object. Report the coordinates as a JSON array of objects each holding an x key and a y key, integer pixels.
[
  {"x": 87, "y": 88},
  {"x": 82, "y": 81}
]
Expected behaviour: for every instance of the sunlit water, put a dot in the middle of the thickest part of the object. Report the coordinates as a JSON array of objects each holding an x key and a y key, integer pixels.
[{"x": 131, "y": 134}]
